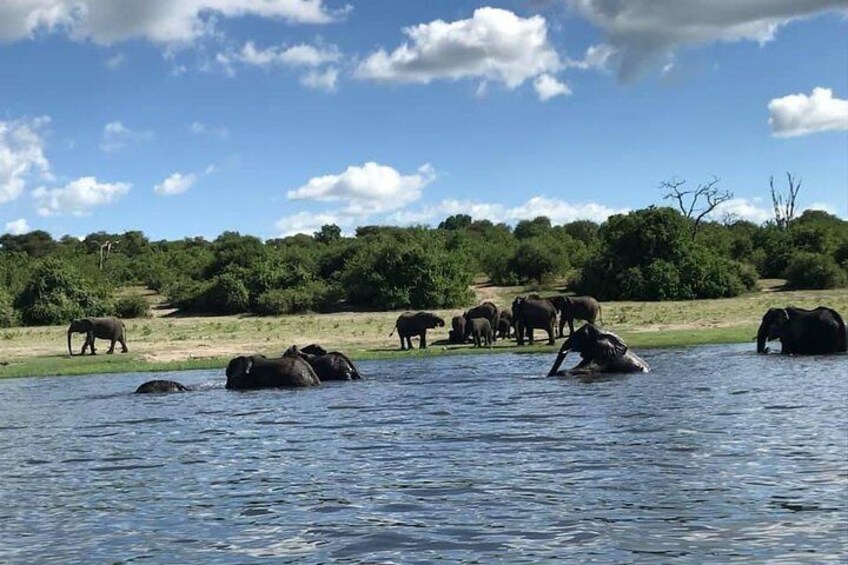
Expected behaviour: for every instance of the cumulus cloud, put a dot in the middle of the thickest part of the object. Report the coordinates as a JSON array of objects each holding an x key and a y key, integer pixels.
[
  {"x": 200, "y": 128},
  {"x": 548, "y": 87},
  {"x": 321, "y": 80},
  {"x": 177, "y": 183},
  {"x": 21, "y": 155},
  {"x": 18, "y": 227},
  {"x": 647, "y": 32},
  {"x": 78, "y": 197},
  {"x": 308, "y": 223},
  {"x": 559, "y": 211},
  {"x": 494, "y": 45},
  {"x": 751, "y": 210},
  {"x": 117, "y": 136},
  {"x": 160, "y": 21},
  {"x": 302, "y": 55},
  {"x": 367, "y": 189},
  {"x": 799, "y": 114}
]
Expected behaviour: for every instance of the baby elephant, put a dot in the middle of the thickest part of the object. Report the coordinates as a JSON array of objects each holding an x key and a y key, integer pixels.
[
  {"x": 482, "y": 332},
  {"x": 160, "y": 386}
]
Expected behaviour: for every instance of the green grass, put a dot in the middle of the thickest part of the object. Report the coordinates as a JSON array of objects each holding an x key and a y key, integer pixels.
[{"x": 170, "y": 344}]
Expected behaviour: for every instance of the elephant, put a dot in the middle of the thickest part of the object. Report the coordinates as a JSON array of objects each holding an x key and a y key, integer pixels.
[
  {"x": 532, "y": 313},
  {"x": 409, "y": 324},
  {"x": 486, "y": 310},
  {"x": 328, "y": 365},
  {"x": 257, "y": 371},
  {"x": 803, "y": 332},
  {"x": 601, "y": 352},
  {"x": 504, "y": 328},
  {"x": 482, "y": 332},
  {"x": 160, "y": 386},
  {"x": 109, "y": 328},
  {"x": 572, "y": 308},
  {"x": 457, "y": 333}
]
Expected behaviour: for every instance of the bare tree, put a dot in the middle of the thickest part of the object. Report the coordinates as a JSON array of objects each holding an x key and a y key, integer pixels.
[
  {"x": 784, "y": 203},
  {"x": 698, "y": 203}
]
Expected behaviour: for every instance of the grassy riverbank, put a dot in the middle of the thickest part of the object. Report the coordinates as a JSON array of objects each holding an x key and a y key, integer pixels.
[{"x": 179, "y": 343}]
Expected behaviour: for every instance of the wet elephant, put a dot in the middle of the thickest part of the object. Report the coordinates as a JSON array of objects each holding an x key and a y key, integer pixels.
[
  {"x": 257, "y": 371},
  {"x": 328, "y": 365},
  {"x": 159, "y": 386},
  {"x": 600, "y": 352},
  {"x": 803, "y": 332}
]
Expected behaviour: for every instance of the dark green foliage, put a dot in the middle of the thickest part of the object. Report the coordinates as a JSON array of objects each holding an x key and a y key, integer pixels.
[
  {"x": 390, "y": 275},
  {"x": 36, "y": 244},
  {"x": 537, "y": 227},
  {"x": 56, "y": 293},
  {"x": 312, "y": 297},
  {"x": 132, "y": 306},
  {"x": 8, "y": 315},
  {"x": 226, "y": 295},
  {"x": 814, "y": 271}
]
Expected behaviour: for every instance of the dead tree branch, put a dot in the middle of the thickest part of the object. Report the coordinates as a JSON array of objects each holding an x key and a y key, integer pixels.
[
  {"x": 784, "y": 203},
  {"x": 698, "y": 203}
]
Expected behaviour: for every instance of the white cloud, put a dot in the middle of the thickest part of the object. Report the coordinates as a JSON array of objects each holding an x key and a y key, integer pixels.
[
  {"x": 117, "y": 136},
  {"x": 305, "y": 222},
  {"x": 116, "y": 61},
  {"x": 78, "y": 197},
  {"x": 177, "y": 183},
  {"x": 371, "y": 188},
  {"x": 548, "y": 87},
  {"x": 160, "y": 21},
  {"x": 321, "y": 80},
  {"x": 596, "y": 57},
  {"x": 799, "y": 114},
  {"x": 646, "y": 32},
  {"x": 301, "y": 55},
  {"x": 21, "y": 155},
  {"x": 18, "y": 227},
  {"x": 199, "y": 128},
  {"x": 751, "y": 210},
  {"x": 559, "y": 211},
  {"x": 494, "y": 45}
]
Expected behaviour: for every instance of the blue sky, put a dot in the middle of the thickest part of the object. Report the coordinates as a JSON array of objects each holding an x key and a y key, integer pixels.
[{"x": 275, "y": 116}]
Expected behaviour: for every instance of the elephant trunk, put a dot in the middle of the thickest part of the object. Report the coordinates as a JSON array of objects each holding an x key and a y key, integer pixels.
[
  {"x": 762, "y": 335},
  {"x": 70, "y": 351},
  {"x": 563, "y": 352}
]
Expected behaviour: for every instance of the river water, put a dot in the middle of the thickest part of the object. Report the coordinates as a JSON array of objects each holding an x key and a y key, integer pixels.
[{"x": 719, "y": 455}]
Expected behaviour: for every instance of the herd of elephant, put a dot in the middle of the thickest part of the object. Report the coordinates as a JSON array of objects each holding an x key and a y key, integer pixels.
[{"x": 819, "y": 331}]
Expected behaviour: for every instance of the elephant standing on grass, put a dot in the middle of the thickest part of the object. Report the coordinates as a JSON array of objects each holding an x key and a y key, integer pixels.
[
  {"x": 457, "y": 333},
  {"x": 803, "y": 332},
  {"x": 482, "y": 332},
  {"x": 257, "y": 371},
  {"x": 487, "y": 310},
  {"x": 601, "y": 352},
  {"x": 504, "y": 328},
  {"x": 328, "y": 365},
  {"x": 572, "y": 308},
  {"x": 158, "y": 386},
  {"x": 533, "y": 313},
  {"x": 109, "y": 328},
  {"x": 415, "y": 323}
]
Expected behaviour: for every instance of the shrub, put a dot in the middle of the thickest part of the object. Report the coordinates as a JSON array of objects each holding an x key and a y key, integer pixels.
[
  {"x": 306, "y": 298},
  {"x": 56, "y": 293},
  {"x": 8, "y": 315},
  {"x": 132, "y": 306},
  {"x": 814, "y": 271},
  {"x": 227, "y": 295}
]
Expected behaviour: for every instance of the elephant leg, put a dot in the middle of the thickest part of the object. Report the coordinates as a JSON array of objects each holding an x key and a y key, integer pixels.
[
  {"x": 530, "y": 335},
  {"x": 551, "y": 334},
  {"x": 90, "y": 340},
  {"x": 111, "y": 348},
  {"x": 423, "y": 344},
  {"x": 570, "y": 326},
  {"x": 123, "y": 346},
  {"x": 562, "y": 321},
  {"x": 402, "y": 342}
]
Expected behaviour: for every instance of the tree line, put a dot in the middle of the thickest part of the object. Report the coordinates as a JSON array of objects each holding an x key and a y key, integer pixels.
[{"x": 656, "y": 253}]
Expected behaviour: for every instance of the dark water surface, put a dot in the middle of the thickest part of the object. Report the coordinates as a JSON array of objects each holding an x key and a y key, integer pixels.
[{"x": 719, "y": 456}]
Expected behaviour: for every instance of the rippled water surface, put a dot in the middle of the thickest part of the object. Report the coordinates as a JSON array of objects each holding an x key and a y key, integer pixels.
[{"x": 719, "y": 455}]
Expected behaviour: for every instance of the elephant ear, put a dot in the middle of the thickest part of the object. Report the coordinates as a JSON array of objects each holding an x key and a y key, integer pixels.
[{"x": 610, "y": 346}]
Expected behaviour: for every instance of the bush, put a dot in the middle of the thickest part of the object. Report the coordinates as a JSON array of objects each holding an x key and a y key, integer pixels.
[
  {"x": 56, "y": 293},
  {"x": 132, "y": 306},
  {"x": 227, "y": 295},
  {"x": 814, "y": 271},
  {"x": 306, "y": 298},
  {"x": 8, "y": 316},
  {"x": 187, "y": 294}
]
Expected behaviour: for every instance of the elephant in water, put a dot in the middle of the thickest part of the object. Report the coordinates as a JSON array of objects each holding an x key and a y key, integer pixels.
[
  {"x": 410, "y": 324},
  {"x": 160, "y": 386},
  {"x": 257, "y": 371},
  {"x": 109, "y": 328},
  {"x": 601, "y": 352},
  {"x": 803, "y": 332},
  {"x": 328, "y": 365}
]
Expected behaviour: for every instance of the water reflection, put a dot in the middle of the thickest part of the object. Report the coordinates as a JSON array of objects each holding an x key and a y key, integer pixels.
[{"x": 718, "y": 455}]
